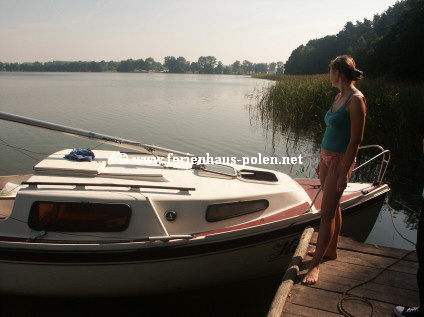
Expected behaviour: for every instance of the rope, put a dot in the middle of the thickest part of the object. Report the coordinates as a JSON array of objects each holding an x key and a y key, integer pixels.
[
  {"x": 150, "y": 150},
  {"x": 6, "y": 171},
  {"x": 98, "y": 145},
  {"x": 20, "y": 150},
  {"x": 394, "y": 225},
  {"x": 7, "y": 193},
  {"x": 347, "y": 297},
  {"x": 4, "y": 143}
]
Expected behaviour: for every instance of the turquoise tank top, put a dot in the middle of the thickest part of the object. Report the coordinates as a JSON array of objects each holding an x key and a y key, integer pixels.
[{"x": 337, "y": 133}]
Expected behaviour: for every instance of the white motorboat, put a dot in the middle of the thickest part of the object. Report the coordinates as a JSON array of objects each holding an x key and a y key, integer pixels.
[{"x": 104, "y": 228}]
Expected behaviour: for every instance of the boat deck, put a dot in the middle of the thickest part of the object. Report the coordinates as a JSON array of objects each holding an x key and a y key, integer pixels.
[
  {"x": 312, "y": 187},
  {"x": 356, "y": 263}
]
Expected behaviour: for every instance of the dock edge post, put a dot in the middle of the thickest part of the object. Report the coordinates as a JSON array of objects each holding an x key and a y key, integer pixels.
[{"x": 290, "y": 276}]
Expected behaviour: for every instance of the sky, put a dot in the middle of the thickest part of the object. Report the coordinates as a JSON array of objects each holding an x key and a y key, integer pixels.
[{"x": 261, "y": 31}]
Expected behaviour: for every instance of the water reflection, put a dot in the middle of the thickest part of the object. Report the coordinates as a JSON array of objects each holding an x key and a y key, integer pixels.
[{"x": 204, "y": 114}]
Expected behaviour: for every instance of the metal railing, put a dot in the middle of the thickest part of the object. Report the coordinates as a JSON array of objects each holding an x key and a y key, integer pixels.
[
  {"x": 383, "y": 167},
  {"x": 384, "y": 163}
]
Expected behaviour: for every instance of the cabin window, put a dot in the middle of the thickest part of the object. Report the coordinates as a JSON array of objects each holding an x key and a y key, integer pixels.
[
  {"x": 258, "y": 175},
  {"x": 79, "y": 217},
  {"x": 224, "y": 211}
]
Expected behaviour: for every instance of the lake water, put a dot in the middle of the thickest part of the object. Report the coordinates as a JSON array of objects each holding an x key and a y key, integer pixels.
[{"x": 193, "y": 113}]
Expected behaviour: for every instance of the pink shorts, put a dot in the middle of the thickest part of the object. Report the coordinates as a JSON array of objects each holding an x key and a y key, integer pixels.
[{"x": 332, "y": 159}]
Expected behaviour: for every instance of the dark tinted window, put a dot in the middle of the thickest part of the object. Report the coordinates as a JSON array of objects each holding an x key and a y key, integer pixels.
[
  {"x": 258, "y": 175},
  {"x": 79, "y": 217},
  {"x": 229, "y": 210}
]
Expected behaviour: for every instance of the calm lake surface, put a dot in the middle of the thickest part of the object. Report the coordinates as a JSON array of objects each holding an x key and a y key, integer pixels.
[{"x": 194, "y": 113}]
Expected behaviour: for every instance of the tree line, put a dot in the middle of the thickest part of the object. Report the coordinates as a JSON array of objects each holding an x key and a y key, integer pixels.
[
  {"x": 388, "y": 46},
  {"x": 172, "y": 64}
]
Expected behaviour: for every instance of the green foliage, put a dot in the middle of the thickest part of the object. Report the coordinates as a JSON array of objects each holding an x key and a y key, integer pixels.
[
  {"x": 175, "y": 65},
  {"x": 206, "y": 64},
  {"x": 395, "y": 114},
  {"x": 389, "y": 45},
  {"x": 261, "y": 68},
  {"x": 312, "y": 58},
  {"x": 151, "y": 65},
  {"x": 247, "y": 67},
  {"x": 400, "y": 51},
  {"x": 237, "y": 67}
]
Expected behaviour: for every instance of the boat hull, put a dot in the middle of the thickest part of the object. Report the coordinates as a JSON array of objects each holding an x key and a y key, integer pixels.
[{"x": 185, "y": 266}]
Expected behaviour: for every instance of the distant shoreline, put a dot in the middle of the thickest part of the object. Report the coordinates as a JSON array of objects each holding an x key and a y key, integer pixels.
[
  {"x": 204, "y": 65},
  {"x": 115, "y": 72}
]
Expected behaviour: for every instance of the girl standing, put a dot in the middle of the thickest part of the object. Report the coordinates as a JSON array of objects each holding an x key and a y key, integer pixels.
[{"x": 345, "y": 122}]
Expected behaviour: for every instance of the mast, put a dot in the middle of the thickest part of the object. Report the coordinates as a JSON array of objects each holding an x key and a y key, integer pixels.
[{"x": 124, "y": 143}]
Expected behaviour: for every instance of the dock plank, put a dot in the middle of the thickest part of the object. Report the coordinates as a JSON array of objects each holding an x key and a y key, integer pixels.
[
  {"x": 356, "y": 263},
  {"x": 323, "y": 300},
  {"x": 349, "y": 244},
  {"x": 301, "y": 310},
  {"x": 375, "y": 261},
  {"x": 357, "y": 273},
  {"x": 391, "y": 294}
]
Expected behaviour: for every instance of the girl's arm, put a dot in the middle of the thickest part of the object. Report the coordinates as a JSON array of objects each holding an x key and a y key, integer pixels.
[{"x": 357, "y": 112}]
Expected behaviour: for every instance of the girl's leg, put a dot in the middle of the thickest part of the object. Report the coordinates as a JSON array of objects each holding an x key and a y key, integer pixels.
[
  {"x": 328, "y": 226},
  {"x": 331, "y": 251}
]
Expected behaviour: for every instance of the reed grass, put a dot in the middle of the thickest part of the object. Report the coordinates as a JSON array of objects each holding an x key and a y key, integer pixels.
[
  {"x": 395, "y": 111},
  {"x": 294, "y": 106}
]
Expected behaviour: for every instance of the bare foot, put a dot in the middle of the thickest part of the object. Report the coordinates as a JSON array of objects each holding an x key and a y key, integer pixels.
[
  {"x": 328, "y": 255},
  {"x": 312, "y": 276}
]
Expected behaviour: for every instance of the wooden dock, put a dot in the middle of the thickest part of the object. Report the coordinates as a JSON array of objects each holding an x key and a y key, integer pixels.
[{"x": 356, "y": 263}]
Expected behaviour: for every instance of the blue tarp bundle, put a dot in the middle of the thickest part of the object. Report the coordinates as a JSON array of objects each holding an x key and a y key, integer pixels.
[{"x": 80, "y": 155}]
